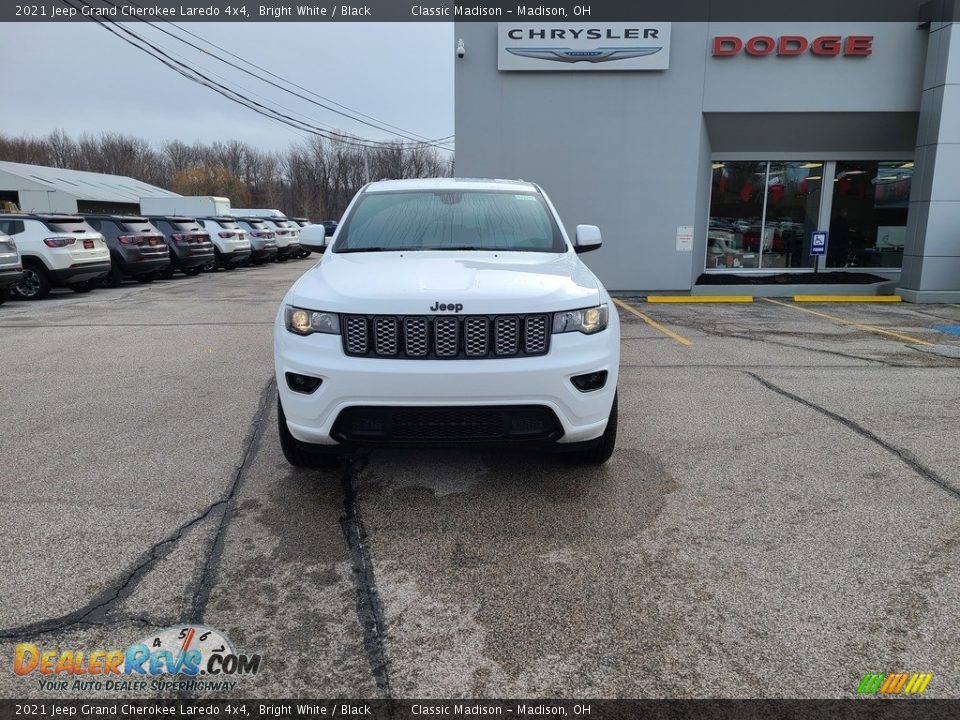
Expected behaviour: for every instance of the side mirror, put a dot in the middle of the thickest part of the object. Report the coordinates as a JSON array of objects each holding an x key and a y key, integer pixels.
[
  {"x": 588, "y": 238},
  {"x": 313, "y": 238}
]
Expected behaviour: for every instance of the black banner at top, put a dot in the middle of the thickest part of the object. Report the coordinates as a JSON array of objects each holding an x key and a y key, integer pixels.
[
  {"x": 480, "y": 10},
  {"x": 468, "y": 709}
]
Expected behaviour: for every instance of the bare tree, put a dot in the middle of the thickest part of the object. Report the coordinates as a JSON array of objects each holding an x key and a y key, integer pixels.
[{"x": 315, "y": 178}]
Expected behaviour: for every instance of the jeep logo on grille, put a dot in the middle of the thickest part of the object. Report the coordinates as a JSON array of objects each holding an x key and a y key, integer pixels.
[{"x": 449, "y": 307}]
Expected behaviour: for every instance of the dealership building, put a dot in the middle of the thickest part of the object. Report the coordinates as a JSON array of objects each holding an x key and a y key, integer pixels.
[{"x": 715, "y": 155}]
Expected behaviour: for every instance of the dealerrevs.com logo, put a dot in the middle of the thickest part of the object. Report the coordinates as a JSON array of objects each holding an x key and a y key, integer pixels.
[
  {"x": 192, "y": 658},
  {"x": 894, "y": 683}
]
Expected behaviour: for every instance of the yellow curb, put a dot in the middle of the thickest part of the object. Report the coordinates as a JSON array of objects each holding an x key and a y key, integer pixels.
[
  {"x": 699, "y": 298},
  {"x": 848, "y": 298}
]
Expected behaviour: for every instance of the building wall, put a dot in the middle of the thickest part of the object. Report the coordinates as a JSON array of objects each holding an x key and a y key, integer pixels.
[{"x": 631, "y": 151}]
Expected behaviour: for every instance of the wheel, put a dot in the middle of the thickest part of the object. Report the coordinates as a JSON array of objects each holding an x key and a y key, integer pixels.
[
  {"x": 190, "y": 272},
  {"x": 34, "y": 285},
  {"x": 604, "y": 449},
  {"x": 114, "y": 278},
  {"x": 167, "y": 272},
  {"x": 147, "y": 277},
  {"x": 4, "y": 295},
  {"x": 83, "y": 287},
  {"x": 210, "y": 266},
  {"x": 301, "y": 454}
]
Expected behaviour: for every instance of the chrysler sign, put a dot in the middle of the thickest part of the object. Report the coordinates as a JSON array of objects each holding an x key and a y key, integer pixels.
[{"x": 583, "y": 46}]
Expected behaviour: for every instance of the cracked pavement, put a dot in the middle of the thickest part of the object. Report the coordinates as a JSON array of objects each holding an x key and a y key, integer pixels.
[{"x": 782, "y": 514}]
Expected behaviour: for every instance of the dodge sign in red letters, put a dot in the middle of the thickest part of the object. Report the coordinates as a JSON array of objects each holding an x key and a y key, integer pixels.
[{"x": 793, "y": 45}]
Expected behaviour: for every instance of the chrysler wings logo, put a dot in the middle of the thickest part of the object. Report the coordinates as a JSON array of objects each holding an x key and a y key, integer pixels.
[{"x": 598, "y": 55}]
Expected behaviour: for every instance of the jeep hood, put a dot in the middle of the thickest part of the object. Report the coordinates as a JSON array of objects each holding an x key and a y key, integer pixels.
[{"x": 410, "y": 283}]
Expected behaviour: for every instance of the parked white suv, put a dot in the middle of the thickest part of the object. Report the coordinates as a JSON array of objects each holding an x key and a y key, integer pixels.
[
  {"x": 231, "y": 247},
  {"x": 57, "y": 251},
  {"x": 448, "y": 312}
]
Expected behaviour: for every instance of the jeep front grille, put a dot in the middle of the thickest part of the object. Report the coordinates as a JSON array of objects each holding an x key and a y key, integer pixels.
[{"x": 446, "y": 337}]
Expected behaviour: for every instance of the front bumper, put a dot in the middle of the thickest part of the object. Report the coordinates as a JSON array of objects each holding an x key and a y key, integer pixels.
[{"x": 542, "y": 381}]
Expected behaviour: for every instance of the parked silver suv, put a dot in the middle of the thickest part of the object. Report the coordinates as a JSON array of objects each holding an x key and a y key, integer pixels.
[{"x": 11, "y": 267}]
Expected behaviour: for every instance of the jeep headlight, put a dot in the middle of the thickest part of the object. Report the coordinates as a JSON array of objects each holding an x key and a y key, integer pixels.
[
  {"x": 588, "y": 321},
  {"x": 307, "y": 322}
]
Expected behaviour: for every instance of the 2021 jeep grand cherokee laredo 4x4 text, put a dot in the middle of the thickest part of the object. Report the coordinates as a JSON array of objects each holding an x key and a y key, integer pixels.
[{"x": 448, "y": 312}]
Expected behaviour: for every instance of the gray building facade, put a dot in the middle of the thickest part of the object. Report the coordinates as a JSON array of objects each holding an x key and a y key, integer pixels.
[{"x": 755, "y": 137}]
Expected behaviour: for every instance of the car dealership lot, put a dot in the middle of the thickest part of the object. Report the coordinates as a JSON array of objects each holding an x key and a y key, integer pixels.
[{"x": 780, "y": 517}]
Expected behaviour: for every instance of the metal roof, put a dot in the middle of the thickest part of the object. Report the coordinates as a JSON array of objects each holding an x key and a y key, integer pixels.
[{"x": 80, "y": 184}]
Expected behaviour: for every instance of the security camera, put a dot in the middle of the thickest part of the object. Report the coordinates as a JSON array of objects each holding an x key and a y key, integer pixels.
[{"x": 461, "y": 49}]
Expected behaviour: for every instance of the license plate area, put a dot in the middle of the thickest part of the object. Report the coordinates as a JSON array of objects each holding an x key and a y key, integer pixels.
[{"x": 88, "y": 244}]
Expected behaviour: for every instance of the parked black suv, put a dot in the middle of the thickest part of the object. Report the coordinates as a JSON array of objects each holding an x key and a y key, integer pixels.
[
  {"x": 190, "y": 246},
  {"x": 137, "y": 248}
]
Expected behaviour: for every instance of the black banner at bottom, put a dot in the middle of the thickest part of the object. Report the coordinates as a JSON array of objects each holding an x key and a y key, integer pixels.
[{"x": 855, "y": 709}]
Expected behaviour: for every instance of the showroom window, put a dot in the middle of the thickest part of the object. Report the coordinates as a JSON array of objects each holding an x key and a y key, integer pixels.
[
  {"x": 762, "y": 214},
  {"x": 868, "y": 217}
]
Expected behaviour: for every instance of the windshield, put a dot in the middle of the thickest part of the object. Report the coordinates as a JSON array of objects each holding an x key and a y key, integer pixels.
[{"x": 450, "y": 220}]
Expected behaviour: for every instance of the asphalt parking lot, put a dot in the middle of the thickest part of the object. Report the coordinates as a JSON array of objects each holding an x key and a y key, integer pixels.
[{"x": 782, "y": 514}]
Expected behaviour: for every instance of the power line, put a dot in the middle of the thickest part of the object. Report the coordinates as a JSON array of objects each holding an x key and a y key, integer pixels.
[
  {"x": 382, "y": 125},
  {"x": 196, "y": 76}
]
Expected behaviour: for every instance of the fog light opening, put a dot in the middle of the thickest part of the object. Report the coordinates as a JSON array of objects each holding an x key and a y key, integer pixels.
[
  {"x": 302, "y": 383},
  {"x": 590, "y": 381}
]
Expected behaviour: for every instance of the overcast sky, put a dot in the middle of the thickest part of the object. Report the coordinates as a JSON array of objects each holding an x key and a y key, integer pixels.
[{"x": 79, "y": 77}]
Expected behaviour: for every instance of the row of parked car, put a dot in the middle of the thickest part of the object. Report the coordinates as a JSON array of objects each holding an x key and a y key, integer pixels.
[{"x": 39, "y": 252}]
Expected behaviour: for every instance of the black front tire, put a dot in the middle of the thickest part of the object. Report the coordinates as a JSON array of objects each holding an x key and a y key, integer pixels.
[
  {"x": 35, "y": 284},
  {"x": 147, "y": 277},
  {"x": 190, "y": 272},
  {"x": 301, "y": 454},
  {"x": 4, "y": 295},
  {"x": 603, "y": 451}
]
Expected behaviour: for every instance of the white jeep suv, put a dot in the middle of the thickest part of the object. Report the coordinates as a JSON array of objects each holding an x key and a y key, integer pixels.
[
  {"x": 448, "y": 312},
  {"x": 57, "y": 251}
]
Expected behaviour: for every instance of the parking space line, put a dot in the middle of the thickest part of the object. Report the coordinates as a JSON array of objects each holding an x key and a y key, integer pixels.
[
  {"x": 653, "y": 323},
  {"x": 682, "y": 299},
  {"x": 848, "y": 298},
  {"x": 850, "y": 323}
]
